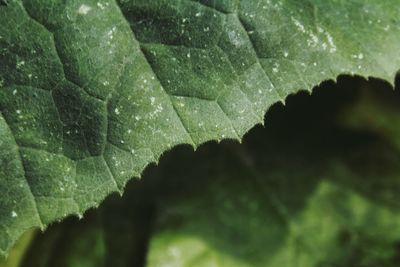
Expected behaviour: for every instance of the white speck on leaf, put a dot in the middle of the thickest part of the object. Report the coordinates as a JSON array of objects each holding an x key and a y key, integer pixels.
[
  {"x": 84, "y": 9},
  {"x": 100, "y": 5},
  {"x": 299, "y": 25},
  {"x": 20, "y": 63},
  {"x": 235, "y": 39},
  {"x": 332, "y": 45}
]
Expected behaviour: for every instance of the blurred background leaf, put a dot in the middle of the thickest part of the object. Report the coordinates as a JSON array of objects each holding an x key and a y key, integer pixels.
[{"x": 16, "y": 254}]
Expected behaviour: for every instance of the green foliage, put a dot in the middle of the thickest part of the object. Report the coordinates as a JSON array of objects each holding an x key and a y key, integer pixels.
[
  {"x": 325, "y": 196},
  {"x": 92, "y": 92}
]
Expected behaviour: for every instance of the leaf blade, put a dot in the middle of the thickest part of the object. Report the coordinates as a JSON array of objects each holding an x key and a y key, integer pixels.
[{"x": 95, "y": 92}]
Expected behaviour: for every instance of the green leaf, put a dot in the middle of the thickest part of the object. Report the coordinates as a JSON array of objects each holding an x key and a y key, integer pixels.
[
  {"x": 327, "y": 196},
  {"x": 92, "y": 92}
]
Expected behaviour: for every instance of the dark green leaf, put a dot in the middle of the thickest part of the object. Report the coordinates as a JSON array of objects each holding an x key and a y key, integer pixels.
[{"x": 92, "y": 92}]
